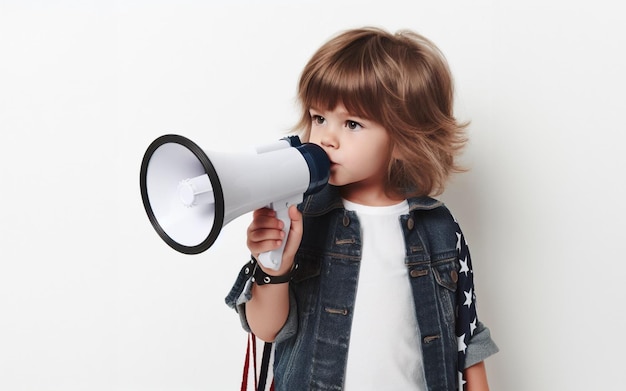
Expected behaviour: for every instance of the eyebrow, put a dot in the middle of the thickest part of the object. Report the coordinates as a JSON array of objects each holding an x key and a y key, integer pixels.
[{"x": 342, "y": 112}]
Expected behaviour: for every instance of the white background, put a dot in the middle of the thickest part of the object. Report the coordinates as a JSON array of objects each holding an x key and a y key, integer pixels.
[{"x": 92, "y": 299}]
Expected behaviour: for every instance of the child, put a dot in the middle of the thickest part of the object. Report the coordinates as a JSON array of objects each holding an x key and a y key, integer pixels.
[{"x": 375, "y": 291}]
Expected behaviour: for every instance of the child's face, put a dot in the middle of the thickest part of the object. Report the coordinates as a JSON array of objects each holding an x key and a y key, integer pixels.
[{"x": 359, "y": 151}]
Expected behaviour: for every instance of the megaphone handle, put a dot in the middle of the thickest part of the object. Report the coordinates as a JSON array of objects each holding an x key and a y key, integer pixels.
[{"x": 273, "y": 259}]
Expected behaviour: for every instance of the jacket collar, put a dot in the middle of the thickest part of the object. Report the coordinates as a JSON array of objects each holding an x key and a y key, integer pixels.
[{"x": 329, "y": 199}]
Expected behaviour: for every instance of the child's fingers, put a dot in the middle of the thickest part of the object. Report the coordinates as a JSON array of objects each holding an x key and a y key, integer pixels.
[
  {"x": 264, "y": 212},
  {"x": 265, "y": 218},
  {"x": 261, "y": 241},
  {"x": 265, "y": 232}
]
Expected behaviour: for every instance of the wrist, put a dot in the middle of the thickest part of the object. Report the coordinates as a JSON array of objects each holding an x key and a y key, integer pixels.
[{"x": 261, "y": 277}]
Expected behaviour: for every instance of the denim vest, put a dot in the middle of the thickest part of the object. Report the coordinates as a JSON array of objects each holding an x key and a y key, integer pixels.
[{"x": 312, "y": 348}]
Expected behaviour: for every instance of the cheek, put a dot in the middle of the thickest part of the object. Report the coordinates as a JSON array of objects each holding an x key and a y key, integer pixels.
[
  {"x": 365, "y": 160},
  {"x": 311, "y": 137},
  {"x": 375, "y": 162},
  {"x": 374, "y": 159}
]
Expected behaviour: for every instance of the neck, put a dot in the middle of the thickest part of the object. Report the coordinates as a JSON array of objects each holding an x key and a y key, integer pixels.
[{"x": 370, "y": 197}]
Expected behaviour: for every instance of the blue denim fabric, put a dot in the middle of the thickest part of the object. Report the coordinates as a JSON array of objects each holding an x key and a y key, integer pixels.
[{"x": 312, "y": 347}]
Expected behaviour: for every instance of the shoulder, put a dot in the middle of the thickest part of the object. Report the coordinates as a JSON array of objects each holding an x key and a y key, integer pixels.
[
  {"x": 431, "y": 208},
  {"x": 424, "y": 203},
  {"x": 434, "y": 219}
]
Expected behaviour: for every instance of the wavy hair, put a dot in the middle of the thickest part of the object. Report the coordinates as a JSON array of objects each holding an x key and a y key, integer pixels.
[{"x": 401, "y": 81}]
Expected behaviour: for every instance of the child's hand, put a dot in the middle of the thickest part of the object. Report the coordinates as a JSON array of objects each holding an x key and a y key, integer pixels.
[{"x": 265, "y": 234}]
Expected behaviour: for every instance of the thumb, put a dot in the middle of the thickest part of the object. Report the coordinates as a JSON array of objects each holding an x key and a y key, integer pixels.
[{"x": 295, "y": 233}]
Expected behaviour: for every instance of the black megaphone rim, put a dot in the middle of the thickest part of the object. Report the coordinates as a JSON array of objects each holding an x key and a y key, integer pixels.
[{"x": 215, "y": 183}]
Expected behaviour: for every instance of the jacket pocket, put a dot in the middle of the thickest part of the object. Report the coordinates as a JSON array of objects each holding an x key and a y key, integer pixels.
[{"x": 446, "y": 273}]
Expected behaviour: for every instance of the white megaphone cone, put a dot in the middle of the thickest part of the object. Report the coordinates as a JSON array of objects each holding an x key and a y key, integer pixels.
[{"x": 189, "y": 197}]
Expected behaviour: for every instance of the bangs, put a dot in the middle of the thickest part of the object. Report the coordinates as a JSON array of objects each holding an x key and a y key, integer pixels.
[{"x": 348, "y": 79}]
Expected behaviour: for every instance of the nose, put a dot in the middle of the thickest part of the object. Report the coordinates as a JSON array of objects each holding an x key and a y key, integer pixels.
[{"x": 328, "y": 137}]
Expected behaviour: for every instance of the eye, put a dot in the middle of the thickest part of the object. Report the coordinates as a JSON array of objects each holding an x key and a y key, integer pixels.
[
  {"x": 318, "y": 119},
  {"x": 353, "y": 125}
]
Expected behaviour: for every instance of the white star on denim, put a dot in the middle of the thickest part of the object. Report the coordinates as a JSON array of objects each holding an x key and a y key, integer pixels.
[
  {"x": 464, "y": 268},
  {"x": 472, "y": 327},
  {"x": 461, "y": 381},
  {"x": 461, "y": 343},
  {"x": 468, "y": 298}
]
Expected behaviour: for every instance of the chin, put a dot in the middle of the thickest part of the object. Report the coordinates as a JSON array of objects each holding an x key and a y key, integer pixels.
[{"x": 335, "y": 182}]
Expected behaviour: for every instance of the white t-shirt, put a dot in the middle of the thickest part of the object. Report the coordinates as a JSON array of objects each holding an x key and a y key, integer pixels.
[{"x": 385, "y": 351}]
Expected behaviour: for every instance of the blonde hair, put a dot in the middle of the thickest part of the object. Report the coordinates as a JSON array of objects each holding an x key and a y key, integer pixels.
[{"x": 401, "y": 81}]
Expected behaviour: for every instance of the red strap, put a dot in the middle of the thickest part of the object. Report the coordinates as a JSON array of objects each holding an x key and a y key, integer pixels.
[
  {"x": 246, "y": 366},
  {"x": 253, "y": 338}
]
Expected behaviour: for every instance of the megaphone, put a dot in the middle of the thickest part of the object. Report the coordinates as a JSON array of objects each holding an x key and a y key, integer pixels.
[{"x": 190, "y": 194}]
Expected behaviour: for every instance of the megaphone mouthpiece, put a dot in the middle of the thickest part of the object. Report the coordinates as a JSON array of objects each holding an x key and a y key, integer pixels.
[{"x": 318, "y": 164}]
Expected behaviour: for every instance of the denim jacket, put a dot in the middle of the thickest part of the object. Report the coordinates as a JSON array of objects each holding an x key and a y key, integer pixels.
[{"x": 312, "y": 347}]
